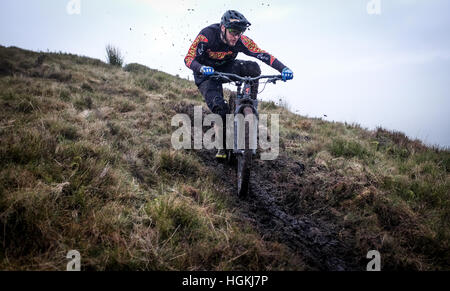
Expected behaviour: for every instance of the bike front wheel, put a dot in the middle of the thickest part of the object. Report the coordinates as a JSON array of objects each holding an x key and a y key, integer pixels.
[{"x": 244, "y": 162}]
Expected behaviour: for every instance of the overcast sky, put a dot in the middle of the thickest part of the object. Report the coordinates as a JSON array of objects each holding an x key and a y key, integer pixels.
[{"x": 390, "y": 69}]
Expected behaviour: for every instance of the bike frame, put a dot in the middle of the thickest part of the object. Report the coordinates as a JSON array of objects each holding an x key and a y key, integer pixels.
[
  {"x": 243, "y": 102},
  {"x": 243, "y": 97}
]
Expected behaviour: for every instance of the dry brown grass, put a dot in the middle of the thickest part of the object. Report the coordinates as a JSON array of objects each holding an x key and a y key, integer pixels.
[{"x": 86, "y": 164}]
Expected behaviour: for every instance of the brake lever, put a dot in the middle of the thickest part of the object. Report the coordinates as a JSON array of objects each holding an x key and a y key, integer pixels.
[
  {"x": 221, "y": 77},
  {"x": 217, "y": 77},
  {"x": 277, "y": 79}
]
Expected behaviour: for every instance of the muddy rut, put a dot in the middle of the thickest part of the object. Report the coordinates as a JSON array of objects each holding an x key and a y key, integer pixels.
[{"x": 317, "y": 241}]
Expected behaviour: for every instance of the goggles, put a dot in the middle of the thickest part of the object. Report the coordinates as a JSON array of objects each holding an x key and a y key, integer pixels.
[{"x": 235, "y": 32}]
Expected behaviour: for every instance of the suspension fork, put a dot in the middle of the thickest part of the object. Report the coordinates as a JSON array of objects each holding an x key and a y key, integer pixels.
[{"x": 245, "y": 105}]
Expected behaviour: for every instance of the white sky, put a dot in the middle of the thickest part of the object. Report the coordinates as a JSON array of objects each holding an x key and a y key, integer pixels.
[{"x": 390, "y": 70}]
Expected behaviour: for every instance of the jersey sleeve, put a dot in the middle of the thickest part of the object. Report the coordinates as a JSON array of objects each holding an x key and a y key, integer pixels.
[
  {"x": 196, "y": 50},
  {"x": 250, "y": 48}
]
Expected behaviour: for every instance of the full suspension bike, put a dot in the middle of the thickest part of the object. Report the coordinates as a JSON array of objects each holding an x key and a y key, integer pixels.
[{"x": 245, "y": 129}]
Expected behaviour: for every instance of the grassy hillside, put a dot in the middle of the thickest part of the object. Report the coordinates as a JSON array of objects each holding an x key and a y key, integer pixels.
[{"x": 86, "y": 163}]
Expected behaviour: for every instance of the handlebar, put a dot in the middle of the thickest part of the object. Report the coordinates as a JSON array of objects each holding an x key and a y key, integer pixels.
[{"x": 228, "y": 76}]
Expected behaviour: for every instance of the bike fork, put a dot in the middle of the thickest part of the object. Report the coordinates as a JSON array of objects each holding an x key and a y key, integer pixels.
[{"x": 240, "y": 136}]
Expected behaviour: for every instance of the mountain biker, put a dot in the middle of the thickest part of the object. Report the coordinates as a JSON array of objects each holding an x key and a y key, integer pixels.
[{"x": 215, "y": 49}]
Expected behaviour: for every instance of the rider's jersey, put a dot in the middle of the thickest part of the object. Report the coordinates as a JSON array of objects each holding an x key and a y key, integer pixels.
[{"x": 209, "y": 50}]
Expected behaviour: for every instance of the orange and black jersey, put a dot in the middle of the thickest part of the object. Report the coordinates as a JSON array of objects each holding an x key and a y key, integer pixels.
[{"x": 209, "y": 50}]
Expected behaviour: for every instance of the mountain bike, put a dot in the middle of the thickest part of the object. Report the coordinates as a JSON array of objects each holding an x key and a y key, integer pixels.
[{"x": 243, "y": 104}]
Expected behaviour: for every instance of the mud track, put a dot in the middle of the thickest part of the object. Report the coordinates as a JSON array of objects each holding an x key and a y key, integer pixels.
[{"x": 316, "y": 241}]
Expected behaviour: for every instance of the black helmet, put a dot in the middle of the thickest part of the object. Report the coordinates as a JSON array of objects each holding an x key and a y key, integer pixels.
[{"x": 235, "y": 20}]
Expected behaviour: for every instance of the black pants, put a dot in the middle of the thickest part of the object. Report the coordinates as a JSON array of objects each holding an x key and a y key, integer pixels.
[{"x": 212, "y": 90}]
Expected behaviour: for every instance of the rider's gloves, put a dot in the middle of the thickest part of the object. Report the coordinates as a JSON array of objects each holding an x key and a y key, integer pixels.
[
  {"x": 287, "y": 74},
  {"x": 206, "y": 71}
]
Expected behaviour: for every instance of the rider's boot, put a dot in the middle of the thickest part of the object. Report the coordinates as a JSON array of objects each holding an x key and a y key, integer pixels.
[{"x": 221, "y": 154}]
